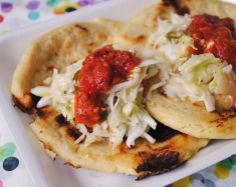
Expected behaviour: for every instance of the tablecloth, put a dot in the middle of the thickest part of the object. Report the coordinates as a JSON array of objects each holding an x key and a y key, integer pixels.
[{"x": 19, "y": 13}]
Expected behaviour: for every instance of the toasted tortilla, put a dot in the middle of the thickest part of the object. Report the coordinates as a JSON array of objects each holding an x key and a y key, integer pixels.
[
  {"x": 58, "y": 49},
  {"x": 136, "y": 32},
  {"x": 65, "y": 46},
  {"x": 144, "y": 159},
  {"x": 190, "y": 118},
  {"x": 184, "y": 116}
]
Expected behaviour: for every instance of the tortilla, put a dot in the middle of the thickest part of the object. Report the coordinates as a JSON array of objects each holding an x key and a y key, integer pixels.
[
  {"x": 135, "y": 33},
  {"x": 57, "y": 49},
  {"x": 192, "y": 119},
  {"x": 184, "y": 116},
  {"x": 65, "y": 46},
  {"x": 144, "y": 159}
]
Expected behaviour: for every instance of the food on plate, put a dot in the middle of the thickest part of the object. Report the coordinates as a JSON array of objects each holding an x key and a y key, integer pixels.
[
  {"x": 86, "y": 98},
  {"x": 194, "y": 41},
  {"x": 138, "y": 98}
]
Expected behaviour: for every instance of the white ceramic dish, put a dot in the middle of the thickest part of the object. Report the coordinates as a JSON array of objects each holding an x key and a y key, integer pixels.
[{"x": 47, "y": 173}]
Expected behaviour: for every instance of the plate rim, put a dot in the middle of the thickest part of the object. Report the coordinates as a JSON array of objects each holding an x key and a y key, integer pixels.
[{"x": 7, "y": 36}]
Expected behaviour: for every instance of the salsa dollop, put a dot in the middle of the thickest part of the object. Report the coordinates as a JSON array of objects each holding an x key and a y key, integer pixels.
[
  {"x": 214, "y": 35},
  {"x": 101, "y": 70}
]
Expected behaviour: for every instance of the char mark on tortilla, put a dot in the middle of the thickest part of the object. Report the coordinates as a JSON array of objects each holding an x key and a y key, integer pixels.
[
  {"x": 73, "y": 132},
  {"x": 27, "y": 103},
  {"x": 60, "y": 119},
  {"x": 176, "y": 4},
  {"x": 161, "y": 162}
]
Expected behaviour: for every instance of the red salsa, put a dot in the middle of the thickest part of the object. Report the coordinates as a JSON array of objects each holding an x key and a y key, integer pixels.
[
  {"x": 214, "y": 35},
  {"x": 101, "y": 70}
]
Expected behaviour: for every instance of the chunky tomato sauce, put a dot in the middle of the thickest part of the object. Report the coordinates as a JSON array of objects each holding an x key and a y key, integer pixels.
[
  {"x": 214, "y": 35},
  {"x": 101, "y": 70}
]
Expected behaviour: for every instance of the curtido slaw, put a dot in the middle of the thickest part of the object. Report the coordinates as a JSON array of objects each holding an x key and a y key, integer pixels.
[
  {"x": 200, "y": 77},
  {"x": 126, "y": 113}
]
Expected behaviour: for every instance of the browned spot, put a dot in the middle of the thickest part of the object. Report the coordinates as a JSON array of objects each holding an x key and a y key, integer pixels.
[
  {"x": 140, "y": 39},
  {"x": 89, "y": 47},
  {"x": 45, "y": 113},
  {"x": 179, "y": 8},
  {"x": 25, "y": 103},
  {"x": 198, "y": 104},
  {"x": 60, "y": 119},
  {"x": 40, "y": 113},
  {"x": 162, "y": 149},
  {"x": 184, "y": 138},
  {"x": 148, "y": 174},
  {"x": 50, "y": 68},
  {"x": 220, "y": 122},
  {"x": 163, "y": 158},
  {"x": 73, "y": 132},
  {"x": 91, "y": 44},
  {"x": 89, "y": 51},
  {"x": 81, "y": 27},
  {"x": 223, "y": 118},
  {"x": 154, "y": 46},
  {"x": 227, "y": 114},
  {"x": 161, "y": 162},
  {"x": 70, "y": 164},
  {"x": 122, "y": 148},
  {"x": 102, "y": 36}
]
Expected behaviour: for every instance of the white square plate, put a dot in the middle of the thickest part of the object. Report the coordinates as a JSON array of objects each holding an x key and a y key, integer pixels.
[{"x": 47, "y": 173}]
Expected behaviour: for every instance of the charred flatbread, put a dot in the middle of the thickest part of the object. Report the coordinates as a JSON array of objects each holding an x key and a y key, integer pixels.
[
  {"x": 184, "y": 115},
  {"x": 144, "y": 159}
]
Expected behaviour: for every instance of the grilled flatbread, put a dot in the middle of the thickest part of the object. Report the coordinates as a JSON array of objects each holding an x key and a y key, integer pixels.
[
  {"x": 144, "y": 159},
  {"x": 191, "y": 118},
  {"x": 58, "y": 49},
  {"x": 65, "y": 46},
  {"x": 182, "y": 115}
]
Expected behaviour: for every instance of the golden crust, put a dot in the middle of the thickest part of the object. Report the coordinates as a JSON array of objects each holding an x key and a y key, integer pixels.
[
  {"x": 191, "y": 118},
  {"x": 142, "y": 160}
]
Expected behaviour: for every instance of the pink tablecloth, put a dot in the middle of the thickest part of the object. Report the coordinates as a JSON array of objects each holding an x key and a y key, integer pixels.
[{"x": 19, "y": 13}]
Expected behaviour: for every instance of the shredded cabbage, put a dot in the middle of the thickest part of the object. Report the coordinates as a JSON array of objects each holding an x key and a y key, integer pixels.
[
  {"x": 200, "y": 78},
  {"x": 170, "y": 37},
  {"x": 176, "y": 24},
  {"x": 60, "y": 91},
  {"x": 176, "y": 48},
  {"x": 126, "y": 110}
]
